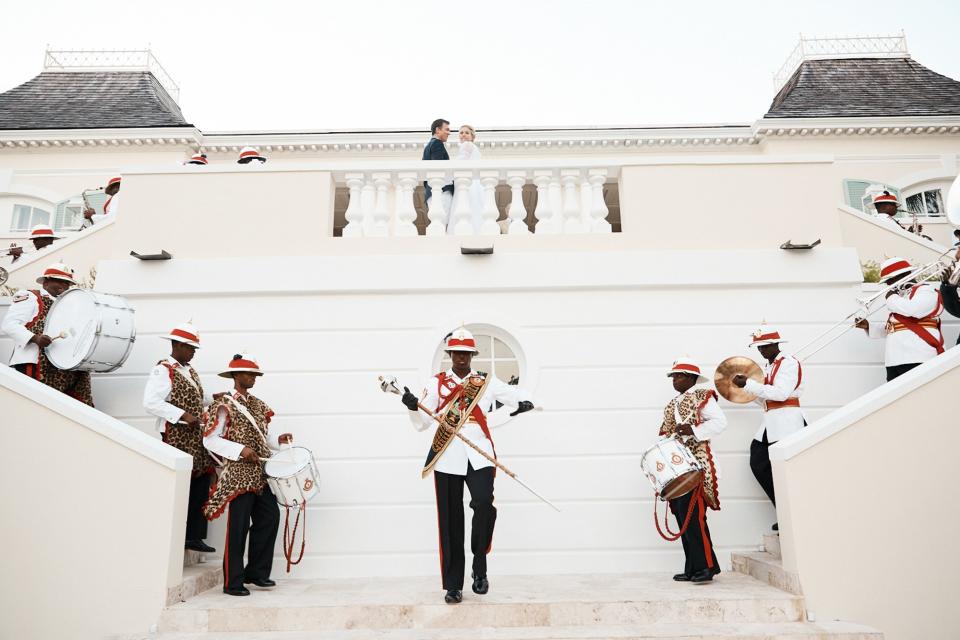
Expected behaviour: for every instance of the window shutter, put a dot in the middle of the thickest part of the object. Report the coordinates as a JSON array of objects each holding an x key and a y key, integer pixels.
[
  {"x": 60, "y": 217},
  {"x": 853, "y": 191},
  {"x": 96, "y": 198}
]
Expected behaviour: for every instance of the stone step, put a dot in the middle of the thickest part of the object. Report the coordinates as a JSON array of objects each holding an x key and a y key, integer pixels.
[
  {"x": 203, "y": 573},
  {"x": 514, "y": 601},
  {"x": 191, "y": 558},
  {"x": 771, "y": 544},
  {"x": 766, "y": 568},
  {"x": 691, "y": 631}
]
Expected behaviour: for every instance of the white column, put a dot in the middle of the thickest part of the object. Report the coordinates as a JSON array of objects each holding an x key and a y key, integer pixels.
[
  {"x": 544, "y": 213},
  {"x": 406, "y": 213},
  {"x": 586, "y": 201},
  {"x": 381, "y": 210},
  {"x": 438, "y": 217},
  {"x": 571, "y": 201},
  {"x": 598, "y": 207},
  {"x": 489, "y": 226},
  {"x": 368, "y": 201},
  {"x": 518, "y": 213},
  {"x": 354, "y": 213},
  {"x": 462, "y": 224}
]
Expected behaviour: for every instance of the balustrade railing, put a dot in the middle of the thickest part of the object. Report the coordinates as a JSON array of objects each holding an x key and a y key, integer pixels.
[{"x": 565, "y": 200}]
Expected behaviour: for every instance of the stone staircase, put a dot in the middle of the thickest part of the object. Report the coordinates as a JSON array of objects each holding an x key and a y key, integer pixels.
[
  {"x": 737, "y": 605},
  {"x": 767, "y": 566},
  {"x": 201, "y": 572}
]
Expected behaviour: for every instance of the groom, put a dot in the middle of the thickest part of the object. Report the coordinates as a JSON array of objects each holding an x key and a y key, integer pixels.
[{"x": 435, "y": 150}]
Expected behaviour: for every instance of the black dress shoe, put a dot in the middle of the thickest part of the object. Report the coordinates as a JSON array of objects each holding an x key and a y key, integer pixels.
[
  {"x": 454, "y": 596},
  {"x": 682, "y": 577},
  {"x": 242, "y": 591},
  {"x": 776, "y": 526},
  {"x": 480, "y": 584},
  {"x": 702, "y": 576},
  {"x": 261, "y": 582},
  {"x": 199, "y": 545}
]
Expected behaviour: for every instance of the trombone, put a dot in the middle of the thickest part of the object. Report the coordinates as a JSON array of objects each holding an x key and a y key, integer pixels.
[
  {"x": 726, "y": 370},
  {"x": 931, "y": 270}
]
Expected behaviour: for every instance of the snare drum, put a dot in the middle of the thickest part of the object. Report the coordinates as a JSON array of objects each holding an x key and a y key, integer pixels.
[
  {"x": 98, "y": 331},
  {"x": 293, "y": 476},
  {"x": 671, "y": 468}
]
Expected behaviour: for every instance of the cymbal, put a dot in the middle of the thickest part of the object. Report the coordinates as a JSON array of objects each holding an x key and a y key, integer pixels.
[{"x": 726, "y": 370}]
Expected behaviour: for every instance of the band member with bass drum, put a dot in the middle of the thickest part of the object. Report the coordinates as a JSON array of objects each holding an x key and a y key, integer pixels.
[
  {"x": 779, "y": 396},
  {"x": 238, "y": 430},
  {"x": 24, "y": 323},
  {"x": 695, "y": 417},
  {"x": 174, "y": 394},
  {"x": 912, "y": 329},
  {"x": 466, "y": 397}
]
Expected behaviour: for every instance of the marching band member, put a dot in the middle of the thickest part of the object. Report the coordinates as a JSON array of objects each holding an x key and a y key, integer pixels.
[
  {"x": 42, "y": 236},
  {"x": 695, "y": 415},
  {"x": 248, "y": 155},
  {"x": 175, "y": 395},
  {"x": 779, "y": 395},
  {"x": 111, "y": 207},
  {"x": 458, "y": 464},
  {"x": 238, "y": 430},
  {"x": 24, "y": 323},
  {"x": 887, "y": 205},
  {"x": 912, "y": 329}
]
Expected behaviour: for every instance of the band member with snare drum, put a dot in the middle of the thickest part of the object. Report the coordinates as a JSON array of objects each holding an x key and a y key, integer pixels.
[
  {"x": 24, "y": 323},
  {"x": 237, "y": 430},
  {"x": 912, "y": 329},
  {"x": 455, "y": 464},
  {"x": 175, "y": 395},
  {"x": 779, "y": 395},
  {"x": 695, "y": 417}
]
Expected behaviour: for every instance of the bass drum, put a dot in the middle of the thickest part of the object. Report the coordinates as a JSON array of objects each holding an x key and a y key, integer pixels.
[{"x": 97, "y": 328}]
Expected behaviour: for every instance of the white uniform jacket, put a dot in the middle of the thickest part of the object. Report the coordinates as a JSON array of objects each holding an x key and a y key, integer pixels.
[
  {"x": 713, "y": 421},
  {"x": 24, "y": 309},
  {"x": 224, "y": 448},
  {"x": 157, "y": 393},
  {"x": 454, "y": 460},
  {"x": 783, "y": 382},
  {"x": 904, "y": 346}
]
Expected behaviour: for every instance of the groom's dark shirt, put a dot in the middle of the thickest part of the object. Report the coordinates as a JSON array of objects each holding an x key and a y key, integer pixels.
[{"x": 435, "y": 150}]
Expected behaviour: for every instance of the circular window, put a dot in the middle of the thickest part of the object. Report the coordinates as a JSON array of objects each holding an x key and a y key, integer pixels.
[{"x": 499, "y": 355}]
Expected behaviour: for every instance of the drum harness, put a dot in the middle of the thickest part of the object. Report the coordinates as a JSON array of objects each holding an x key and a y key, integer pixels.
[
  {"x": 695, "y": 500},
  {"x": 289, "y": 537}
]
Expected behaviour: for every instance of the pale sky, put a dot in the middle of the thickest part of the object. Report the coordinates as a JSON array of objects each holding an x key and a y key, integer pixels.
[{"x": 359, "y": 64}]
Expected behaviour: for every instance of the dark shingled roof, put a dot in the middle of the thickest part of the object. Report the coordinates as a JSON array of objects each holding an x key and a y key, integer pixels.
[
  {"x": 860, "y": 87},
  {"x": 89, "y": 100}
]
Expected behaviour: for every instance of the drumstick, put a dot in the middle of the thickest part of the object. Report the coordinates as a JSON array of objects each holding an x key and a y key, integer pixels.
[{"x": 62, "y": 334}]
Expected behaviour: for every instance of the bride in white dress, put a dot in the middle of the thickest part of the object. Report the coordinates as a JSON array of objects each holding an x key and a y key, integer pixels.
[{"x": 469, "y": 151}]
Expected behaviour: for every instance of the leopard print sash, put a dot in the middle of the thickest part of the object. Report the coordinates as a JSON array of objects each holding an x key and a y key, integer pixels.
[
  {"x": 188, "y": 397},
  {"x": 239, "y": 477},
  {"x": 75, "y": 384},
  {"x": 690, "y": 405}
]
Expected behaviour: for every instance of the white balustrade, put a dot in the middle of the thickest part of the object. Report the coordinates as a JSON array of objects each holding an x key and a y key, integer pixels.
[
  {"x": 518, "y": 213},
  {"x": 354, "y": 216},
  {"x": 569, "y": 200}
]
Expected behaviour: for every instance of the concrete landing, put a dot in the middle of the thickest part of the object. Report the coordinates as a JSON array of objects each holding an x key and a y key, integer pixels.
[{"x": 518, "y": 607}]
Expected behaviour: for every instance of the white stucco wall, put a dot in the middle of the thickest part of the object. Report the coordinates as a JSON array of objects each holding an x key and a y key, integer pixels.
[{"x": 598, "y": 331}]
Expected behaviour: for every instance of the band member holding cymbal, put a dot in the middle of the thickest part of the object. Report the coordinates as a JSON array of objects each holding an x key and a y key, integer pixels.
[
  {"x": 24, "y": 323},
  {"x": 455, "y": 464},
  {"x": 779, "y": 395},
  {"x": 175, "y": 396},
  {"x": 695, "y": 416},
  {"x": 238, "y": 430}
]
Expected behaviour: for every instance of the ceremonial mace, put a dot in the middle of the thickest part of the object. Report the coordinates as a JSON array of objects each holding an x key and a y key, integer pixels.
[{"x": 388, "y": 384}]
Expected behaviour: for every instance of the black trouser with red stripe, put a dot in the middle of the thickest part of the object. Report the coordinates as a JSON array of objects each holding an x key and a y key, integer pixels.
[
  {"x": 258, "y": 514},
  {"x": 761, "y": 466},
  {"x": 697, "y": 544},
  {"x": 449, "y": 489}
]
